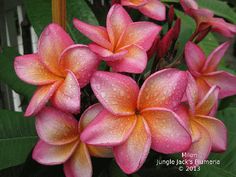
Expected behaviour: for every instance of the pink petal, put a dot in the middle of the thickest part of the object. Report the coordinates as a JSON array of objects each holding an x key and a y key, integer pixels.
[
  {"x": 67, "y": 96},
  {"x": 192, "y": 92},
  {"x": 164, "y": 88},
  {"x": 142, "y": 34},
  {"x": 117, "y": 21},
  {"x": 134, "y": 4},
  {"x": 40, "y": 98},
  {"x": 98, "y": 34},
  {"x": 52, "y": 42},
  {"x": 214, "y": 58},
  {"x": 79, "y": 165},
  {"x": 195, "y": 58},
  {"x": 216, "y": 130},
  {"x": 108, "y": 130},
  {"x": 106, "y": 54},
  {"x": 89, "y": 115},
  {"x": 199, "y": 150},
  {"x": 116, "y": 92},
  {"x": 29, "y": 69},
  {"x": 205, "y": 106},
  {"x": 154, "y": 9},
  {"x": 167, "y": 130},
  {"x": 186, "y": 4},
  {"x": 56, "y": 127},
  {"x": 131, "y": 155},
  {"x": 52, "y": 154},
  {"x": 224, "y": 80},
  {"x": 183, "y": 113},
  {"x": 221, "y": 26},
  {"x": 81, "y": 61},
  {"x": 134, "y": 61}
]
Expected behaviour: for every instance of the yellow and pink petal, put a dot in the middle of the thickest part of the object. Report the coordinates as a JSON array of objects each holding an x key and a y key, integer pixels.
[
  {"x": 131, "y": 155},
  {"x": 29, "y": 69},
  {"x": 67, "y": 96},
  {"x": 48, "y": 154},
  {"x": 40, "y": 98},
  {"x": 169, "y": 134},
  {"x": 116, "y": 92},
  {"x": 56, "y": 127},
  {"x": 164, "y": 88},
  {"x": 108, "y": 130},
  {"x": 81, "y": 61},
  {"x": 52, "y": 42}
]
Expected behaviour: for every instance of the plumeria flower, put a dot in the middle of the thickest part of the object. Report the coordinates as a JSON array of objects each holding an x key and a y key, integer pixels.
[
  {"x": 133, "y": 120},
  {"x": 204, "y": 19},
  {"x": 205, "y": 71},
  {"x": 60, "y": 142},
  {"x": 151, "y": 8},
  {"x": 59, "y": 69},
  {"x": 208, "y": 133},
  {"x": 123, "y": 43}
]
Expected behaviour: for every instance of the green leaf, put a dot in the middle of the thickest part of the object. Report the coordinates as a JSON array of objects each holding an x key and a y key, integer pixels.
[
  {"x": 115, "y": 171},
  {"x": 228, "y": 158},
  {"x": 8, "y": 75},
  {"x": 40, "y": 15},
  {"x": 220, "y": 8},
  {"x": 17, "y": 137}
]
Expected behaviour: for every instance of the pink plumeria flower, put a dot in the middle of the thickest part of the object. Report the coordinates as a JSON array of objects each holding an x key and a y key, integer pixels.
[
  {"x": 205, "y": 71},
  {"x": 205, "y": 18},
  {"x": 60, "y": 142},
  {"x": 151, "y": 8},
  {"x": 208, "y": 133},
  {"x": 133, "y": 120},
  {"x": 59, "y": 69},
  {"x": 123, "y": 43}
]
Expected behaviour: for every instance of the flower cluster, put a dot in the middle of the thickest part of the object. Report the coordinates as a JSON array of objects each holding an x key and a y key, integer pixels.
[{"x": 168, "y": 110}]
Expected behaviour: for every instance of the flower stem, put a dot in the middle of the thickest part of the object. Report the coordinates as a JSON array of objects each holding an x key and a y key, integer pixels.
[{"x": 59, "y": 12}]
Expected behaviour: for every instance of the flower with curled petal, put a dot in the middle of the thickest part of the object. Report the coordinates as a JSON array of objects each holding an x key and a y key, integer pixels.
[
  {"x": 59, "y": 69},
  {"x": 204, "y": 19},
  {"x": 123, "y": 43},
  {"x": 204, "y": 70},
  {"x": 151, "y": 8},
  {"x": 133, "y": 120},
  {"x": 208, "y": 133},
  {"x": 60, "y": 142}
]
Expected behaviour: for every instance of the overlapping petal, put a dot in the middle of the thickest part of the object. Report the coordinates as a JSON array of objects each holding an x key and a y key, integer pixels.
[
  {"x": 52, "y": 42},
  {"x": 200, "y": 149},
  {"x": 56, "y": 127},
  {"x": 131, "y": 155},
  {"x": 224, "y": 80},
  {"x": 142, "y": 34},
  {"x": 67, "y": 96},
  {"x": 117, "y": 21},
  {"x": 215, "y": 57},
  {"x": 134, "y": 61},
  {"x": 40, "y": 98},
  {"x": 97, "y": 34},
  {"x": 117, "y": 93},
  {"x": 108, "y": 130},
  {"x": 106, "y": 54},
  {"x": 135, "y": 4},
  {"x": 79, "y": 165},
  {"x": 168, "y": 132},
  {"x": 164, "y": 88},
  {"x": 154, "y": 9},
  {"x": 195, "y": 58},
  {"x": 205, "y": 105},
  {"x": 29, "y": 69},
  {"x": 216, "y": 130},
  {"x": 53, "y": 154},
  {"x": 81, "y": 61}
]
